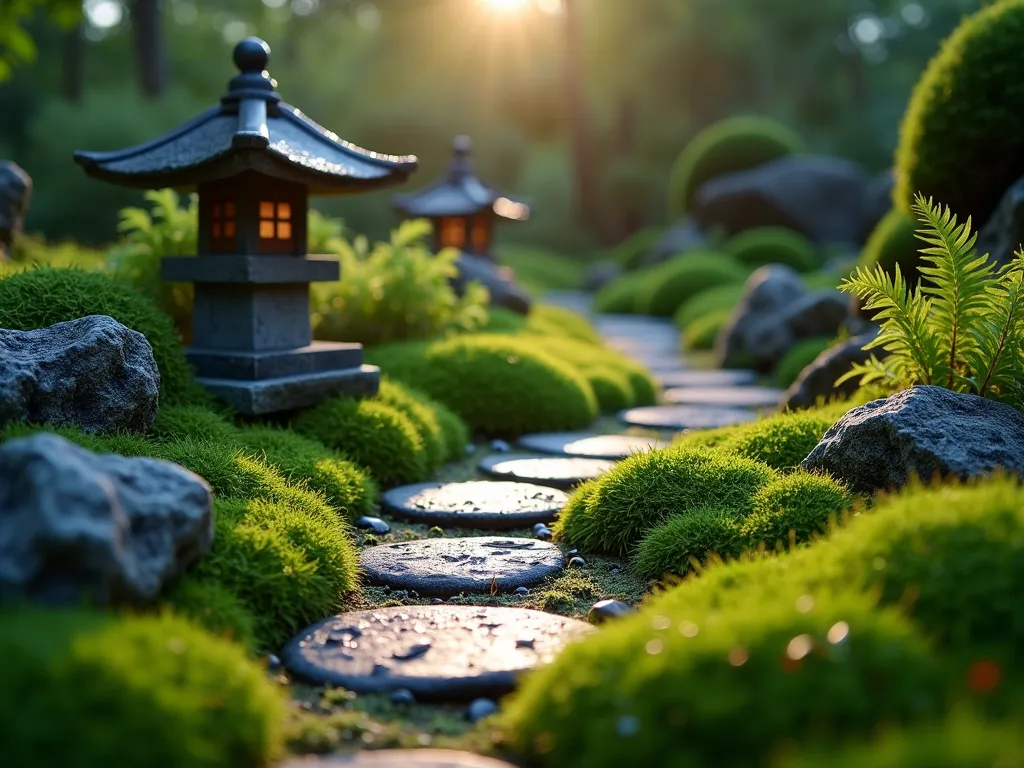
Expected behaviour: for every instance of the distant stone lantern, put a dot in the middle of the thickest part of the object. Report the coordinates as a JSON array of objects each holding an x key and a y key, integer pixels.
[
  {"x": 462, "y": 208},
  {"x": 254, "y": 161}
]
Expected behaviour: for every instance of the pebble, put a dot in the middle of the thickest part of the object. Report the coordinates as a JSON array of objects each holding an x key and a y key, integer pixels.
[
  {"x": 437, "y": 601},
  {"x": 403, "y": 696},
  {"x": 522, "y": 591},
  {"x": 479, "y": 709},
  {"x": 542, "y": 532},
  {"x": 500, "y": 446},
  {"x": 273, "y": 662},
  {"x": 374, "y": 524},
  {"x": 603, "y": 610},
  {"x": 577, "y": 562},
  {"x": 572, "y": 552}
]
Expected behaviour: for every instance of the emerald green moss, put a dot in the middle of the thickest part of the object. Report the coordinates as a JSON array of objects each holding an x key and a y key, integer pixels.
[
  {"x": 894, "y": 243},
  {"x": 721, "y": 297},
  {"x": 90, "y": 690},
  {"x": 682, "y": 685},
  {"x": 773, "y": 245},
  {"x": 702, "y": 333},
  {"x": 680, "y": 279},
  {"x": 500, "y": 320},
  {"x": 372, "y": 434},
  {"x": 622, "y": 295},
  {"x": 779, "y": 441},
  {"x": 686, "y": 541},
  {"x": 38, "y": 298},
  {"x": 214, "y": 607},
  {"x": 407, "y": 401},
  {"x": 794, "y": 509},
  {"x": 174, "y": 422},
  {"x": 799, "y": 356},
  {"x": 645, "y": 489},
  {"x": 554, "y": 320},
  {"x": 501, "y": 386},
  {"x": 453, "y": 429}
]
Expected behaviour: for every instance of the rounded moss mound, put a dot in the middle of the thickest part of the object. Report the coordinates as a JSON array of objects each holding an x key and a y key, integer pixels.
[
  {"x": 721, "y": 297},
  {"x": 780, "y": 441},
  {"x": 954, "y": 142},
  {"x": 668, "y": 686},
  {"x": 894, "y": 243},
  {"x": 621, "y": 296},
  {"x": 213, "y": 607},
  {"x": 799, "y": 356},
  {"x": 409, "y": 403},
  {"x": 372, "y": 434},
  {"x": 729, "y": 146},
  {"x": 85, "y": 689},
  {"x": 794, "y": 509},
  {"x": 773, "y": 245},
  {"x": 645, "y": 489},
  {"x": 177, "y": 422},
  {"x": 500, "y": 386},
  {"x": 680, "y": 279},
  {"x": 687, "y": 540},
  {"x": 500, "y": 320},
  {"x": 703, "y": 332},
  {"x": 454, "y": 432},
  {"x": 38, "y": 298},
  {"x": 553, "y": 320}
]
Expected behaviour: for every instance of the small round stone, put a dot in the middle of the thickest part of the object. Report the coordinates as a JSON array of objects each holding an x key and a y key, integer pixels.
[
  {"x": 717, "y": 378},
  {"x": 603, "y": 610},
  {"x": 522, "y": 591},
  {"x": 480, "y": 708},
  {"x": 577, "y": 562},
  {"x": 480, "y": 504},
  {"x": 397, "y": 758},
  {"x": 733, "y": 397},
  {"x": 450, "y": 652},
  {"x": 438, "y": 567},
  {"x": 436, "y": 601},
  {"x": 678, "y": 417},
  {"x": 374, "y": 524},
  {"x": 402, "y": 697},
  {"x": 590, "y": 446},
  {"x": 557, "y": 472},
  {"x": 273, "y": 662},
  {"x": 500, "y": 446},
  {"x": 544, "y": 534}
]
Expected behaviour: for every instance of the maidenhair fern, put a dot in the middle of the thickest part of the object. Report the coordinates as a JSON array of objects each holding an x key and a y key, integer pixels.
[{"x": 961, "y": 328}]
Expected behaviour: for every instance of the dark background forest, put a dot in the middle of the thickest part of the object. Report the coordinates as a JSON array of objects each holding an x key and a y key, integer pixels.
[{"x": 579, "y": 105}]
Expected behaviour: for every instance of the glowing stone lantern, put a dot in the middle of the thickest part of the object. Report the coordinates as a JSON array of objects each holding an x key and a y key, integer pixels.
[{"x": 254, "y": 161}]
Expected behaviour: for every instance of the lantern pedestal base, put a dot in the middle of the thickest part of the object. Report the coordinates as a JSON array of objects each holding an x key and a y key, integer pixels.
[{"x": 287, "y": 393}]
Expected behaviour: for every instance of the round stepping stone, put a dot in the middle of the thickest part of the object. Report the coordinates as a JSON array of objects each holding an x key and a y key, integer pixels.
[
  {"x": 589, "y": 446},
  {"x": 733, "y": 397},
  {"x": 399, "y": 758},
  {"x": 448, "y": 652},
  {"x": 719, "y": 378},
  {"x": 678, "y": 417},
  {"x": 481, "y": 504},
  {"x": 553, "y": 471},
  {"x": 444, "y": 567}
]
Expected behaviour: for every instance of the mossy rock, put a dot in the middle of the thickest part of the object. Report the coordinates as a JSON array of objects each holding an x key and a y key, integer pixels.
[
  {"x": 721, "y": 297},
  {"x": 955, "y": 145},
  {"x": 621, "y": 296},
  {"x": 799, "y": 356},
  {"x": 702, "y": 333},
  {"x": 91, "y": 690},
  {"x": 680, "y": 279},
  {"x": 38, "y": 298},
  {"x": 408, "y": 402},
  {"x": 500, "y": 386},
  {"x": 729, "y": 146},
  {"x": 773, "y": 245},
  {"x": 894, "y": 243},
  {"x": 780, "y": 441}
]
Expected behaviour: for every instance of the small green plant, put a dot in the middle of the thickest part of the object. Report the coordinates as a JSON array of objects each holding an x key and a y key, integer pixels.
[{"x": 960, "y": 329}]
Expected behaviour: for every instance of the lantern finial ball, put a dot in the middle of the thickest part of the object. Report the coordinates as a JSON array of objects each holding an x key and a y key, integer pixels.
[
  {"x": 462, "y": 145},
  {"x": 252, "y": 55}
]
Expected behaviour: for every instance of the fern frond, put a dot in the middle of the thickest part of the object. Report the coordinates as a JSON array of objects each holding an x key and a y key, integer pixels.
[
  {"x": 995, "y": 359},
  {"x": 870, "y": 372},
  {"x": 960, "y": 284}
]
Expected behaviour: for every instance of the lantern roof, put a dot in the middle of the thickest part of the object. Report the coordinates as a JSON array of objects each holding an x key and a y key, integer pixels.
[
  {"x": 460, "y": 193},
  {"x": 251, "y": 129}
]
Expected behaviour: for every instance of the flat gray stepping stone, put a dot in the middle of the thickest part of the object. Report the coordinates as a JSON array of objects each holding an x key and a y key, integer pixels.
[
  {"x": 554, "y": 471},
  {"x": 446, "y": 567},
  {"x": 399, "y": 758},
  {"x": 677, "y": 417},
  {"x": 733, "y": 397},
  {"x": 590, "y": 446},
  {"x": 487, "y": 504},
  {"x": 719, "y": 378},
  {"x": 447, "y": 652}
]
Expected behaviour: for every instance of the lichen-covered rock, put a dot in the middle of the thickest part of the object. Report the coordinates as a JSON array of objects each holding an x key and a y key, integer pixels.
[
  {"x": 15, "y": 193},
  {"x": 820, "y": 197},
  {"x": 92, "y": 373},
  {"x": 776, "y": 311},
  {"x": 77, "y": 526},
  {"x": 499, "y": 281},
  {"x": 1003, "y": 233},
  {"x": 923, "y": 431},
  {"x": 818, "y": 380}
]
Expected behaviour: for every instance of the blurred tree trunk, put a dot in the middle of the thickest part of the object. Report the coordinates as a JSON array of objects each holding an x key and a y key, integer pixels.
[
  {"x": 73, "y": 74},
  {"x": 150, "y": 47}
]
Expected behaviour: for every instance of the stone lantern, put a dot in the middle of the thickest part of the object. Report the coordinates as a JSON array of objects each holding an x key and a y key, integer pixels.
[{"x": 254, "y": 162}]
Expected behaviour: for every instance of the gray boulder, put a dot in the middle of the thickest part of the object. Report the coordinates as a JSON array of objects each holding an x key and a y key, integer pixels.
[
  {"x": 923, "y": 431},
  {"x": 92, "y": 373},
  {"x": 684, "y": 235},
  {"x": 76, "y": 526},
  {"x": 500, "y": 281},
  {"x": 1003, "y": 233},
  {"x": 15, "y": 194},
  {"x": 821, "y": 197},
  {"x": 818, "y": 380},
  {"x": 776, "y": 311}
]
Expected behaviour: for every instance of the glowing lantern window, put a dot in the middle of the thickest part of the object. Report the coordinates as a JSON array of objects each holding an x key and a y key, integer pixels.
[
  {"x": 222, "y": 226},
  {"x": 275, "y": 226},
  {"x": 452, "y": 233},
  {"x": 480, "y": 234}
]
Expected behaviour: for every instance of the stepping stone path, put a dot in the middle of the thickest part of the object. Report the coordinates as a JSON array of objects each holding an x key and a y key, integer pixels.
[
  {"x": 679, "y": 417},
  {"x": 481, "y": 504},
  {"x": 589, "y": 446},
  {"x": 720, "y": 378},
  {"x": 446, "y": 567},
  {"x": 440, "y": 652},
  {"x": 556, "y": 472},
  {"x": 399, "y": 758},
  {"x": 735, "y": 397}
]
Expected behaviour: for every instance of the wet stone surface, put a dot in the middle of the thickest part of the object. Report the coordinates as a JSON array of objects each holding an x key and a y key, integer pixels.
[
  {"x": 735, "y": 397},
  {"x": 476, "y": 504},
  {"x": 450, "y": 652},
  {"x": 553, "y": 471},
  {"x": 444, "y": 567},
  {"x": 679, "y": 417},
  {"x": 399, "y": 758},
  {"x": 589, "y": 446},
  {"x": 720, "y": 378},
  {"x": 605, "y": 610}
]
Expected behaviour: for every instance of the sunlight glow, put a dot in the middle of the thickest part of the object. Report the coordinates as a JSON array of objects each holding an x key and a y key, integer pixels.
[
  {"x": 103, "y": 14},
  {"x": 506, "y": 6}
]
